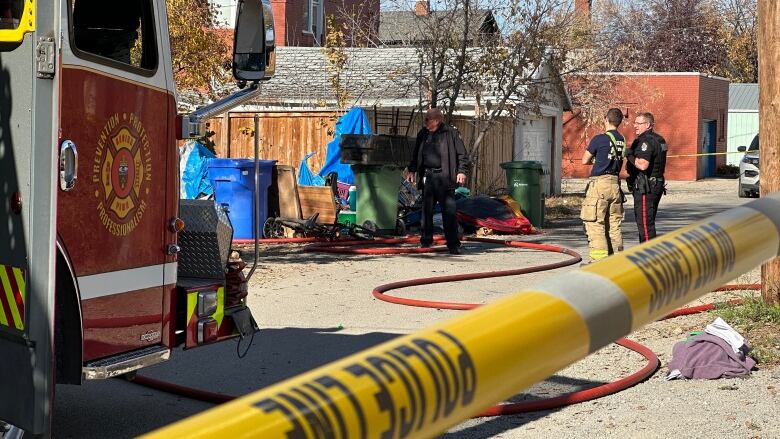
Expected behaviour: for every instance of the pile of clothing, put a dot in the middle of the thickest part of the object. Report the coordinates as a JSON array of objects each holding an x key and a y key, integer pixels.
[{"x": 718, "y": 352}]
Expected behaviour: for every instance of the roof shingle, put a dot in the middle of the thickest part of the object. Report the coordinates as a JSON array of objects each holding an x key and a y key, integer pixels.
[
  {"x": 375, "y": 73},
  {"x": 403, "y": 28}
]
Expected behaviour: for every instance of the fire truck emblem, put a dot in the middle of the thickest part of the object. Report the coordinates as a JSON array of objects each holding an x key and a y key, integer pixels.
[
  {"x": 122, "y": 171},
  {"x": 123, "y": 168}
]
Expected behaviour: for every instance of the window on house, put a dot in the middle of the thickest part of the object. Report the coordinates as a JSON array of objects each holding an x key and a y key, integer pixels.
[{"x": 312, "y": 17}]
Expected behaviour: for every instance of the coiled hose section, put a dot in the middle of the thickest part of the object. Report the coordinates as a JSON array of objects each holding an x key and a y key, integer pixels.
[{"x": 381, "y": 246}]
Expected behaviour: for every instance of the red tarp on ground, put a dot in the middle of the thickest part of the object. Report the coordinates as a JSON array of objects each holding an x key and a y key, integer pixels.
[{"x": 498, "y": 214}]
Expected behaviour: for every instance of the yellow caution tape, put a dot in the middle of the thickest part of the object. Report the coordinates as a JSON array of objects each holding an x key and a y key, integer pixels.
[
  {"x": 421, "y": 384},
  {"x": 702, "y": 154},
  {"x": 26, "y": 24}
]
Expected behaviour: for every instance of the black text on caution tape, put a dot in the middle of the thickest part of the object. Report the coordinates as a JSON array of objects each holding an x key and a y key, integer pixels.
[
  {"x": 439, "y": 362},
  {"x": 690, "y": 260}
]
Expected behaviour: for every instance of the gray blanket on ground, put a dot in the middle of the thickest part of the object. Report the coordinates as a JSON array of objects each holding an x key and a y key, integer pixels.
[{"x": 709, "y": 357}]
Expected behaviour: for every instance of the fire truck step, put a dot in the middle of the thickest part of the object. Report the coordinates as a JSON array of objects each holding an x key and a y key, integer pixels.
[{"x": 124, "y": 363}]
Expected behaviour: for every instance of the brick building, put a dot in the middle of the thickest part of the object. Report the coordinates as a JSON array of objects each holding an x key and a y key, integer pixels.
[
  {"x": 303, "y": 22},
  {"x": 690, "y": 110}
]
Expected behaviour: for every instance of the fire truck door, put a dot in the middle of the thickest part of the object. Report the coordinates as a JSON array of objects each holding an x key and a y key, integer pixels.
[
  {"x": 114, "y": 113},
  {"x": 27, "y": 191}
]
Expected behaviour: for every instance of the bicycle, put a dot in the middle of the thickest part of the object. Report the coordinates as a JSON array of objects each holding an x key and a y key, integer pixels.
[{"x": 274, "y": 228}]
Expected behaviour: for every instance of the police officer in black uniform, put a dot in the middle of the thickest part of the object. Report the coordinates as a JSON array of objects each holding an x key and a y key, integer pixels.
[{"x": 646, "y": 164}]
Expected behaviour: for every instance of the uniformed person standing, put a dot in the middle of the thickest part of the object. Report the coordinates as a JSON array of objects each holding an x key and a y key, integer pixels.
[
  {"x": 602, "y": 210},
  {"x": 646, "y": 165}
]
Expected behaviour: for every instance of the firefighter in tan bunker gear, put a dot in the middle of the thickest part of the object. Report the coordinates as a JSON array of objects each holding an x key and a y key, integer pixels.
[{"x": 602, "y": 210}]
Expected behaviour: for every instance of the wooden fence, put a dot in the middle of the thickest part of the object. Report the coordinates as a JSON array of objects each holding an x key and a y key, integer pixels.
[
  {"x": 284, "y": 137},
  {"x": 288, "y": 136}
]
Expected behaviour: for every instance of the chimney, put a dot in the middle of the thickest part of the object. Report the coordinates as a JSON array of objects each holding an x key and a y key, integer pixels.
[
  {"x": 582, "y": 8},
  {"x": 422, "y": 7}
]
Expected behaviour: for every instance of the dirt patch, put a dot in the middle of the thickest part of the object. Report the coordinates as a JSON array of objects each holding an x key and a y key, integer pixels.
[{"x": 563, "y": 206}]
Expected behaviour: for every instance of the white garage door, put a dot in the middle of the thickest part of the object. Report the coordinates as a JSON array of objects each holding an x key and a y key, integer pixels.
[{"x": 535, "y": 143}]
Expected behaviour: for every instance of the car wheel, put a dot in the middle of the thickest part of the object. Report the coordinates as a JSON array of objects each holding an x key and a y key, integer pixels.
[{"x": 741, "y": 193}]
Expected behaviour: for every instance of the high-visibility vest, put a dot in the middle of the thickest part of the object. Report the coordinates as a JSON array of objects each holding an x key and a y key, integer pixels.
[{"x": 617, "y": 152}]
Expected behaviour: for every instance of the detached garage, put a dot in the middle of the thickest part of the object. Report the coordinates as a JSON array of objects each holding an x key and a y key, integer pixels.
[{"x": 743, "y": 119}]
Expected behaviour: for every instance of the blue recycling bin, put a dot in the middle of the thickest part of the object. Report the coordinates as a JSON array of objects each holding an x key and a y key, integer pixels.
[{"x": 234, "y": 188}]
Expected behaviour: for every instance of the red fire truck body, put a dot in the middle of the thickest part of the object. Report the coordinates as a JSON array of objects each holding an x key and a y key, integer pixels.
[
  {"x": 103, "y": 270},
  {"x": 113, "y": 228}
]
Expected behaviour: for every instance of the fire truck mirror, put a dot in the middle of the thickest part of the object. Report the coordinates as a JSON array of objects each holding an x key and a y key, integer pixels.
[{"x": 253, "y": 45}]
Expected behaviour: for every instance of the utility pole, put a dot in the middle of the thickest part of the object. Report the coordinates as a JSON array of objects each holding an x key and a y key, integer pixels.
[{"x": 769, "y": 132}]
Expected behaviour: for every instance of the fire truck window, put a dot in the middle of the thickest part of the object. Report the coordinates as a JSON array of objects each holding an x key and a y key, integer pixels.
[
  {"x": 122, "y": 31},
  {"x": 10, "y": 13}
]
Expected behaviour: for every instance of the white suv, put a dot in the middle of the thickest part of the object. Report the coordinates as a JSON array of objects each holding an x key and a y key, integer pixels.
[{"x": 748, "y": 170}]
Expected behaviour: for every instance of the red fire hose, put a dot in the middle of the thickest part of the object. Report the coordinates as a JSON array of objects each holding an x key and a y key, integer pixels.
[{"x": 372, "y": 248}]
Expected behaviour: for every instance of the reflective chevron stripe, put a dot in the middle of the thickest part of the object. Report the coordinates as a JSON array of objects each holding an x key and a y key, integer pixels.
[{"x": 12, "y": 297}]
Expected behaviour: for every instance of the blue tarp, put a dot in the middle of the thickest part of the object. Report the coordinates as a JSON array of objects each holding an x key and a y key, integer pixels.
[
  {"x": 305, "y": 176},
  {"x": 194, "y": 163},
  {"x": 354, "y": 122}
]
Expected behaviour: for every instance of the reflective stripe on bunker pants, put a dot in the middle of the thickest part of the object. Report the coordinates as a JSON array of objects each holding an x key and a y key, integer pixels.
[{"x": 602, "y": 215}]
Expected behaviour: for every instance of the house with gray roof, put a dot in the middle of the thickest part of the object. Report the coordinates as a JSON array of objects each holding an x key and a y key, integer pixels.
[
  {"x": 372, "y": 76},
  {"x": 742, "y": 119},
  {"x": 409, "y": 28},
  {"x": 385, "y": 77}
]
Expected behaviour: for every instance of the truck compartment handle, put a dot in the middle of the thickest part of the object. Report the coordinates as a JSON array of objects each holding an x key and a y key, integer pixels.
[{"x": 69, "y": 165}]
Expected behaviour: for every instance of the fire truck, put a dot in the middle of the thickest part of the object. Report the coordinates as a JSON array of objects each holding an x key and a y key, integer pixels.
[{"x": 103, "y": 269}]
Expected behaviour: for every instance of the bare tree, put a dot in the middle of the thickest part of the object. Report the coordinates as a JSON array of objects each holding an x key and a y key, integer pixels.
[
  {"x": 708, "y": 36},
  {"x": 739, "y": 29},
  {"x": 502, "y": 59}
]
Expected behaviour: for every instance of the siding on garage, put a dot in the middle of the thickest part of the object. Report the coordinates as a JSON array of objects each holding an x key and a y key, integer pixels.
[
  {"x": 743, "y": 126},
  {"x": 743, "y": 119},
  {"x": 536, "y": 138}
]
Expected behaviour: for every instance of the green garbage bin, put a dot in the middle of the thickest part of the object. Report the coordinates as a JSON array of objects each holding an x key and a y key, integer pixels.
[
  {"x": 377, "y": 195},
  {"x": 523, "y": 183}
]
